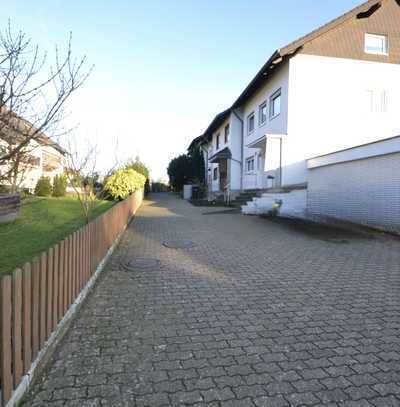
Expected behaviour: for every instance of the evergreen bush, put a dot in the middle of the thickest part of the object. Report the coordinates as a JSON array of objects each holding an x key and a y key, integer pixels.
[
  {"x": 59, "y": 185},
  {"x": 43, "y": 187}
]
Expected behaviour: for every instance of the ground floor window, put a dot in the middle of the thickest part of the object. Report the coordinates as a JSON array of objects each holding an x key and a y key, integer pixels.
[{"x": 250, "y": 164}]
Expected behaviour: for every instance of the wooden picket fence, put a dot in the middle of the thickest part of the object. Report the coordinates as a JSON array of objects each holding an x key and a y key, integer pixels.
[{"x": 34, "y": 299}]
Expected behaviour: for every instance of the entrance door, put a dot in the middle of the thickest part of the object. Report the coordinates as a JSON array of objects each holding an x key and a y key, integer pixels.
[
  {"x": 223, "y": 175},
  {"x": 273, "y": 161}
]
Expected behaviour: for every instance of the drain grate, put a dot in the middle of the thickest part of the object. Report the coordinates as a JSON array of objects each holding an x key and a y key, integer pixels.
[
  {"x": 178, "y": 244},
  {"x": 141, "y": 264}
]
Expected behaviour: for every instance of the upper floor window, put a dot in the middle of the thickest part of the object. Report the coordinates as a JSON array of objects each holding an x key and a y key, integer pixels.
[
  {"x": 275, "y": 104},
  {"x": 262, "y": 114},
  {"x": 377, "y": 101},
  {"x": 250, "y": 164},
  {"x": 217, "y": 141},
  {"x": 226, "y": 133},
  {"x": 250, "y": 123},
  {"x": 376, "y": 44}
]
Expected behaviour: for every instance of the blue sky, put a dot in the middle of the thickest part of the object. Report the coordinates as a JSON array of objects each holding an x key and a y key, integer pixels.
[{"x": 163, "y": 68}]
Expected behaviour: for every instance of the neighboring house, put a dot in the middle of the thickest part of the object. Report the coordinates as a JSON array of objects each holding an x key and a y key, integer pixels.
[
  {"x": 332, "y": 89},
  {"x": 47, "y": 158},
  {"x": 222, "y": 150}
]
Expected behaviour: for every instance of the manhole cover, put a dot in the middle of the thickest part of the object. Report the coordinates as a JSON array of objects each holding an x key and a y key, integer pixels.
[
  {"x": 178, "y": 244},
  {"x": 141, "y": 264}
]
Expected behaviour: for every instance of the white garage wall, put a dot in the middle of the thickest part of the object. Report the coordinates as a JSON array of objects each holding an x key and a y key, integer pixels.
[
  {"x": 365, "y": 191},
  {"x": 334, "y": 104}
]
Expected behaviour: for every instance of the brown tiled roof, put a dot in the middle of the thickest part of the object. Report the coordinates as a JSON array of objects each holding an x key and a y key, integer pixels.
[
  {"x": 359, "y": 10},
  {"x": 40, "y": 137}
]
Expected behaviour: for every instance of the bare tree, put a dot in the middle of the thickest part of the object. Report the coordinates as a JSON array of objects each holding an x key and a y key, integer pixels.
[
  {"x": 83, "y": 174},
  {"x": 32, "y": 98}
]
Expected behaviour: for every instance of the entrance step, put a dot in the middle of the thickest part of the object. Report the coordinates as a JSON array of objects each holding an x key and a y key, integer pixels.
[
  {"x": 285, "y": 203},
  {"x": 245, "y": 197}
]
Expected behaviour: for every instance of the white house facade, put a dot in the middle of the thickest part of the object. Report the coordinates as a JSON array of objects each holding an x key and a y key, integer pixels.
[{"x": 333, "y": 89}]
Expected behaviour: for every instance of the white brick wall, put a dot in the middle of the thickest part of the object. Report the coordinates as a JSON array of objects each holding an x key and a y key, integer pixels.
[{"x": 365, "y": 191}]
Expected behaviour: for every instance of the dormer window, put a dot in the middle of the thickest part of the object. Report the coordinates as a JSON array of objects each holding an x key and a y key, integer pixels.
[{"x": 376, "y": 44}]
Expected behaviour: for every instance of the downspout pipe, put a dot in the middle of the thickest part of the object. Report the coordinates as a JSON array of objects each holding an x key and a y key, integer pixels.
[{"x": 241, "y": 147}]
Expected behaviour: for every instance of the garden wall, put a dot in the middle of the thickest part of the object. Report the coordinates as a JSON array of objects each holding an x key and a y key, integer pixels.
[{"x": 34, "y": 299}]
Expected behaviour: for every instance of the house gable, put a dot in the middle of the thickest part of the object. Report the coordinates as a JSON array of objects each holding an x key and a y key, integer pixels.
[{"x": 345, "y": 37}]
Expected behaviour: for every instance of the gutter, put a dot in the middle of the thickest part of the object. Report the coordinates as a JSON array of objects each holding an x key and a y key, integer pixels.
[{"x": 241, "y": 147}]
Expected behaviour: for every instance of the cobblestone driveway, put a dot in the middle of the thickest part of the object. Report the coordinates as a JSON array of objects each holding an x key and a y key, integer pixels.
[{"x": 255, "y": 314}]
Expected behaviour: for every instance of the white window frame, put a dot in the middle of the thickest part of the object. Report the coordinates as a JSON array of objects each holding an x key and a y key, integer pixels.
[
  {"x": 250, "y": 160},
  {"x": 274, "y": 96},
  {"x": 260, "y": 116},
  {"x": 376, "y": 36},
  {"x": 251, "y": 115}
]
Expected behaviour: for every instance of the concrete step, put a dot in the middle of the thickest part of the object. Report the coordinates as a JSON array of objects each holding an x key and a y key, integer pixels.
[{"x": 289, "y": 204}]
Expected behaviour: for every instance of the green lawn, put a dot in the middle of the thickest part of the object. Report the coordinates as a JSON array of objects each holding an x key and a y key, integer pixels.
[{"x": 43, "y": 222}]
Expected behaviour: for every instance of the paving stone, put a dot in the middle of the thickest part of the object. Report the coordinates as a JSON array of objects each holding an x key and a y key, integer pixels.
[
  {"x": 362, "y": 392},
  {"x": 385, "y": 389},
  {"x": 336, "y": 382},
  {"x": 169, "y": 386},
  {"x": 104, "y": 391},
  {"x": 249, "y": 391},
  {"x": 185, "y": 398},
  {"x": 71, "y": 393},
  {"x": 217, "y": 394},
  {"x": 259, "y": 378},
  {"x": 301, "y": 399},
  {"x": 362, "y": 379},
  {"x": 308, "y": 385},
  {"x": 317, "y": 373},
  {"x": 237, "y": 403},
  {"x": 279, "y": 388},
  {"x": 335, "y": 396},
  {"x": 358, "y": 403},
  {"x": 389, "y": 401},
  {"x": 83, "y": 403},
  {"x": 276, "y": 401},
  {"x": 153, "y": 400}
]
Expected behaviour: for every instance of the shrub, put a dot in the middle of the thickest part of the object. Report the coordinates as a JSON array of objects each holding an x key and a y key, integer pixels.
[
  {"x": 59, "y": 185},
  {"x": 43, "y": 187},
  {"x": 141, "y": 168},
  {"x": 4, "y": 189},
  {"x": 123, "y": 182}
]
